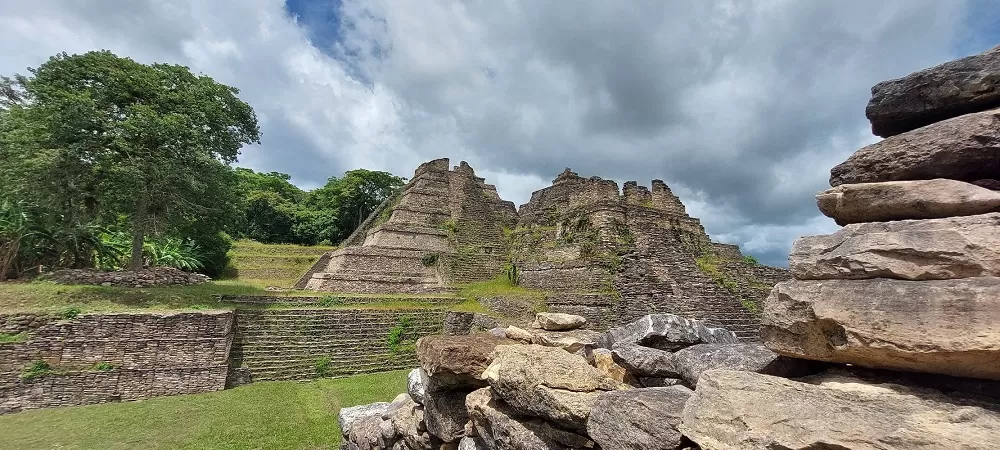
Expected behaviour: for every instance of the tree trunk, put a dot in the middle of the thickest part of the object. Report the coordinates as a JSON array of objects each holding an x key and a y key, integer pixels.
[{"x": 138, "y": 235}]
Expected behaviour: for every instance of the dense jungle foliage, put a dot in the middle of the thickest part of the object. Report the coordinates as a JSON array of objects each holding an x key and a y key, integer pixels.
[{"x": 112, "y": 164}]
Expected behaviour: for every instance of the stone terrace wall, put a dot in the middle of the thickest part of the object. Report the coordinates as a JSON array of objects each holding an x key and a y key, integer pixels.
[
  {"x": 286, "y": 344},
  {"x": 151, "y": 355}
]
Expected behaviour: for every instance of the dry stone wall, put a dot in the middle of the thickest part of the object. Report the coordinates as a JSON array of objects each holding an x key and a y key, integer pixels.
[
  {"x": 99, "y": 358},
  {"x": 302, "y": 343}
]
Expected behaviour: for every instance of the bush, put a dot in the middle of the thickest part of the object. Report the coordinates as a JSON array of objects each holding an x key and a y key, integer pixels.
[
  {"x": 429, "y": 259},
  {"x": 70, "y": 313},
  {"x": 324, "y": 367},
  {"x": 103, "y": 366},
  {"x": 331, "y": 300},
  {"x": 749, "y": 259},
  {"x": 399, "y": 334},
  {"x": 37, "y": 369}
]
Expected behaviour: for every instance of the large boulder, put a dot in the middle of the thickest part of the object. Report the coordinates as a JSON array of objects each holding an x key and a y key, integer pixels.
[
  {"x": 445, "y": 414},
  {"x": 743, "y": 410},
  {"x": 571, "y": 341},
  {"x": 644, "y": 361},
  {"x": 416, "y": 385},
  {"x": 639, "y": 419},
  {"x": 951, "y": 89},
  {"x": 935, "y": 249},
  {"x": 902, "y": 200},
  {"x": 606, "y": 364},
  {"x": 691, "y": 362},
  {"x": 965, "y": 148},
  {"x": 349, "y": 416},
  {"x": 547, "y": 382},
  {"x": 665, "y": 332},
  {"x": 949, "y": 327},
  {"x": 407, "y": 420},
  {"x": 500, "y": 427},
  {"x": 559, "y": 321},
  {"x": 456, "y": 362}
]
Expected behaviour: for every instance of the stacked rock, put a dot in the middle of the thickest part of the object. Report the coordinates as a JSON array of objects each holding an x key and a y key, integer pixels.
[{"x": 905, "y": 295}]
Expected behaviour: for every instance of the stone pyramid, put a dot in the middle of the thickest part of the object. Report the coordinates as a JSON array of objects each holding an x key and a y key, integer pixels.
[{"x": 444, "y": 227}]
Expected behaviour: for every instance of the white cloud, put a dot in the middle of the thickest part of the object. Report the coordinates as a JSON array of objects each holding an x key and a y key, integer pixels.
[{"x": 741, "y": 107}]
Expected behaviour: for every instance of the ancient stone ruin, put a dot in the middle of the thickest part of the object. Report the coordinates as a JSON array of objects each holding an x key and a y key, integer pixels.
[
  {"x": 609, "y": 255},
  {"x": 888, "y": 336}
]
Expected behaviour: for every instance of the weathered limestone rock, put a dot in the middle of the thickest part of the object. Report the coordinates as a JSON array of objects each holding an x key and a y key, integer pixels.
[
  {"x": 445, "y": 414},
  {"x": 347, "y": 417},
  {"x": 743, "y": 410},
  {"x": 639, "y": 419},
  {"x": 949, "y": 327},
  {"x": 547, "y": 382},
  {"x": 518, "y": 334},
  {"x": 500, "y": 427},
  {"x": 964, "y": 148},
  {"x": 665, "y": 332},
  {"x": 559, "y": 321},
  {"x": 644, "y": 361},
  {"x": 456, "y": 362},
  {"x": 951, "y": 89},
  {"x": 416, "y": 385},
  {"x": 571, "y": 341},
  {"x": 471, "y": 443},
  {"x": 605, "y": 363},
  {"x": 691, "y": 362},
  {"x": 366, "y": 434},
  {"x": 936, "y": 249},
  {"x": 407, "y": 425},
  {"x": 902, "y": 200}
]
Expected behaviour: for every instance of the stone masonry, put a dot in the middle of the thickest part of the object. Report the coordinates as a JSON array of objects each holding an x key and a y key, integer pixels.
[{"x": 444, "y": 227}]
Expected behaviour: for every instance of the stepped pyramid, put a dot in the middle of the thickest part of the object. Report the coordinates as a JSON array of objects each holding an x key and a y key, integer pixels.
[{"x": 444, "y": 227}]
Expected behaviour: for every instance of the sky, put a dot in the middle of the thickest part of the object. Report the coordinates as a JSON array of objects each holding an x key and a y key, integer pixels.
[{"x": 742, "y": 107}]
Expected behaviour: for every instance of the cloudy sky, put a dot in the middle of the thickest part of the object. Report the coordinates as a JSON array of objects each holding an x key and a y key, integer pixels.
[{"x": 742, "y": 107}]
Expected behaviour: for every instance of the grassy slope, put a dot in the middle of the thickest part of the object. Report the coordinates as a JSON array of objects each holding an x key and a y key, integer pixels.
[
  {"x": 279, "y": 265},
  {"x": 268, "y": 415}
]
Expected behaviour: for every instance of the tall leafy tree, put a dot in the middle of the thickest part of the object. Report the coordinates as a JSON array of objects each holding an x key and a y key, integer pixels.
[
  {"x": 152, "y": 142},
  {"x": 350, "y": 199}
]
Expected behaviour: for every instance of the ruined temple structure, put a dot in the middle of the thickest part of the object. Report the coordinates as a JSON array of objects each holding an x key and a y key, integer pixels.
[
  {"x": 606, "y": 254},
  {"x": 445, "y": 227},
  {"x": 614, "y": 256}
]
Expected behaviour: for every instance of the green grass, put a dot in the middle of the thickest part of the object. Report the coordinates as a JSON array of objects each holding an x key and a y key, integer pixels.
[
  {"x": 267, "y": 415},
  {"x": 279, "y": 265},
  {"x": 499, "y": 286},
  {"x": 12, "y": 337}
]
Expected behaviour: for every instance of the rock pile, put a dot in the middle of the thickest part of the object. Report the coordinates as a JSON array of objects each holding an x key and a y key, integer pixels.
[
  {"x": 887, "y": 338},
  {"x": 148, "y": 277}
]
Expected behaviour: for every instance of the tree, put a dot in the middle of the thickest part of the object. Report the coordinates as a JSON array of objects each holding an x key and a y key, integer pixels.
[
  {"x": 351, "y": 199},
  {"x": 152, "y": 142}
]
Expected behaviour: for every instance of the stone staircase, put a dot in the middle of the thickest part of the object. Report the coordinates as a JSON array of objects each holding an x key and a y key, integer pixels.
[{"x": 287, "y": 344}]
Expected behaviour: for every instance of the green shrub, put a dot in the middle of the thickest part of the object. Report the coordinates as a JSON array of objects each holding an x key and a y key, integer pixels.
[
  {"x": 70, "y": 313},
  {"x": 324, "y": 367},
  {"x": 513, "y": 274},
  {"x": 103, "y": 366},
  {"x": 331, "y": 300},
  {"x": 7, "y": 338},
  {"x": 749, "y": 259},
  {"x": 399, "y": 334},
  {"x": 429, "y": 259},
  {"x": 37, "y": 369},
  {"x": 449, "y": 226}
]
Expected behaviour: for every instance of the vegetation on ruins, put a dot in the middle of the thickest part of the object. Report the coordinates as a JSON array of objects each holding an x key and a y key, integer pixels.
[
  {"x": 233, "y": 418},
  {"x": 324, "y": 367},
  {"x": 331, "y": 300},
  {"x": 8, "y": 338},
  {"x": 430, "y": 259},
  {"x": 103, "y": 366},
  {"x": 401, "y": 335},
  {"x": 38, "y": 369}
]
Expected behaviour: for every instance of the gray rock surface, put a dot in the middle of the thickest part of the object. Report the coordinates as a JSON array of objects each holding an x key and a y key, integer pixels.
[
  {"x": 572, "y": 341},
  {"x": 644, "y": 361},
  {"x": 456, "y": 362},
  {"x": 902, "y": 200},
  {"x": 935, "y": 249},
  {"x": 347, "y": 417},
  {"x": 665, "y": 332},
  {"x": 954, "y": 88},
  {"x": 500, "y": 427},
  {"x": 965, "y": 148},
  {"x": 559, "y": 321},
  {"x": 416, "y": 385},
  {"x": 407, "y": 422},
  {"x": 949, "y": 327},
  {"x": 743, "y": 410},
  {"x": 639, "y": 419},
  {"x": 691, "y": 362},
  {"x": 445, "y": 414},
  {"x": 547, "y": 382},
  {"x": 472, "y": 443}
]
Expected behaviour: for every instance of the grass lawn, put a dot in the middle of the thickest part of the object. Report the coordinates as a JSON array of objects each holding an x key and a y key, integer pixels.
[{"x": 267, "y": 415}]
